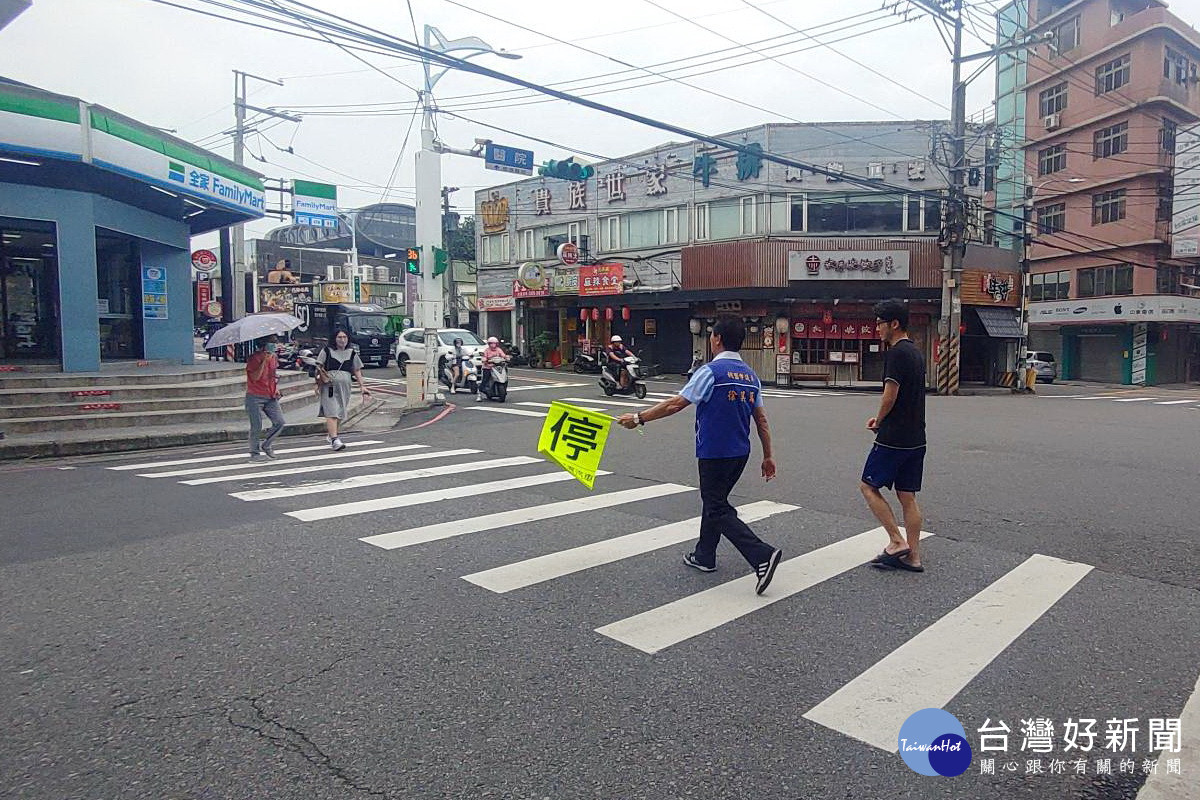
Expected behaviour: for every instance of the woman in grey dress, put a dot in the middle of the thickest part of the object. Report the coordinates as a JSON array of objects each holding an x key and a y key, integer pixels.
[{"x": 340, "y": 361}]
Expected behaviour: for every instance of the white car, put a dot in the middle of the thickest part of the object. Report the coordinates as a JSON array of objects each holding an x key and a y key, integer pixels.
[
  {"x": 410, "y": 346},
  {"x": 1043, "y": 362}
]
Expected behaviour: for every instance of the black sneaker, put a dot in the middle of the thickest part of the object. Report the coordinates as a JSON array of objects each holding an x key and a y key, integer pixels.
[
  {"x": 268, "y": 451},
  {"x": 766, "y": 570},
  {"x": 690, "y": 560}
]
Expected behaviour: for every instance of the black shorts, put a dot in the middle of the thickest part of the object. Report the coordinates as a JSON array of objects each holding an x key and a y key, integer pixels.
[{"x": 887, "y": 467}]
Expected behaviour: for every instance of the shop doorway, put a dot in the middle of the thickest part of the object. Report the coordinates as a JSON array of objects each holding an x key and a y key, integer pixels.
[
  {"x": 119, "y": 295},
  {"x": 29, "y": 291}
]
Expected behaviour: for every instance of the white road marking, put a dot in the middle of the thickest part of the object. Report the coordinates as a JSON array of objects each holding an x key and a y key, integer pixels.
[
  {"x": 380, "y": 478},
  {"x": 544, "y": 386},
  {"x": 370, "y": 462},
  {"x": 547, "y": 405},
  {"x": 514, "y": 411},
  {"x": 1132, "y": 399},
  {"x": 1173, "y": 402},
  {"x": 520, "y": 516},
  {"x": 577, "y": 400},
  {"x": 670, "y": 624},
  {"x": 556, "y": 565},
  {"x": 1164, "y": 786},
  {"x": 233, "y": 456},
  {"x": 931, "y": 668},
  {"x": 248, "y": 464},
  {"x": 433, "y": 496}
]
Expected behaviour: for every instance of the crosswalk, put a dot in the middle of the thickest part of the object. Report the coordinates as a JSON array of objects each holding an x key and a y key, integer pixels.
[
  {"x": 626, "y": 403},
  {"x": 934, "y": 665},
  {"x": 1148, "y": 400}
]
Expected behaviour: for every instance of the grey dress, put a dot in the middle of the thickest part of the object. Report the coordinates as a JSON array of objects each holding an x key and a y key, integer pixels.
[{"x": 341, "y": 365}]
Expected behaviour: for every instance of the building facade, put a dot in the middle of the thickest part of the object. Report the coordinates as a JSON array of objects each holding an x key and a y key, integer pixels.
[
  {"x": 97, "y": 211},
  {"x": 1104, "y": 102},
  {"x": 654, "y": 245}
]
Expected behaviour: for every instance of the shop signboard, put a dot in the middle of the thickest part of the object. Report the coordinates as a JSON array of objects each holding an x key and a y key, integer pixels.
[
  {"x": 204, "y": 261},
  {"x": 564, "y": 281},
  {"x": 283, "y": 297},
  {"x": 203, "y": 294},
  {"x": 1146, "y": 308},
  {"x": 154, "y": 293},
  {"x": 848, "y": 265},
  {"x": 315, "y": 204},
  {"x": 601, "y": 279},
  {"x": 1185, "y": 201},
  {"x": 500, "y": 303}
]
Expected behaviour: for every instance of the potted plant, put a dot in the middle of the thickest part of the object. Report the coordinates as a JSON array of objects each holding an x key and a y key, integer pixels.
[{"x": 539, "y": 347}]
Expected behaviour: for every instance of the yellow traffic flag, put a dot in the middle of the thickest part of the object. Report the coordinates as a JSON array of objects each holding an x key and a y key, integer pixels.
[{"x": 574, "y": 438}]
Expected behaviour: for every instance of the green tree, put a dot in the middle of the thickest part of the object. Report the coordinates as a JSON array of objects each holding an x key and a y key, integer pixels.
[{"x": 460, "y": 240}]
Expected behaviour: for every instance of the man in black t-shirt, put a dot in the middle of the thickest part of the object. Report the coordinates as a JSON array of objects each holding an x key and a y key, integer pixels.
[{"x": 898, "y": 457}]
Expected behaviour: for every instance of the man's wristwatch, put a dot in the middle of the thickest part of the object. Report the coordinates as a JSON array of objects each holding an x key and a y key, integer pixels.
[{"x": 637, "y": 419}]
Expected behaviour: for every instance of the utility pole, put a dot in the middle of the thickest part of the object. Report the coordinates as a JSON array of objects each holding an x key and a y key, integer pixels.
[
  {"x": 237, "y": 271},
  {"x": 448, "y": 238},
  {"x": 956, "y": 227}
]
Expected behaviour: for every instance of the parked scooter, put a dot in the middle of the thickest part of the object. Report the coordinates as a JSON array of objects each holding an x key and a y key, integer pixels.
[
  {"x": 469, "y": 379},
  {"x": 637, "y": 384},
  {"x": 586, "y": 362},
  {"x": 497, "y": 388},
  {"x": 697, "y": 363}
]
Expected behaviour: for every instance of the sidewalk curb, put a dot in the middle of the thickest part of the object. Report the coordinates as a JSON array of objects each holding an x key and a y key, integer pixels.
[{"x": 11, "y": 450}]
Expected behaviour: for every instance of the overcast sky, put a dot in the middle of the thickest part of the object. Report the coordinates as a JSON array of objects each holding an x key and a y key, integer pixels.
[{"x": 172, "y": 68}]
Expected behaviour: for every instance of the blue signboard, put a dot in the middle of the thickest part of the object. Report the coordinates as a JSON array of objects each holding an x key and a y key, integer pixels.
[
  {"x": 508, "y": 159},
  {"x": 154, "y": 293}
]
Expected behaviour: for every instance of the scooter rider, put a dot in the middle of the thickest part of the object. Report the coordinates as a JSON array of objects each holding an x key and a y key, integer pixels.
[
  {"x": 456, "y": 371},
  {"x": 617, "y": 352},
  {"x": 493, "y": 350}
]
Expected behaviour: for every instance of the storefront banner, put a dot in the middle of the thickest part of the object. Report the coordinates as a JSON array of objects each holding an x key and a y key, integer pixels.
[
  {"x": 838, "y": 329},
  {"x": 315, "y": 204},
  {"x": 564, "y": 281},
  {"x": 203, "y": 295},
  {"x": 522, "y": 292},
  {"x": 496, "y": 303},
  {"x": 848, "y": 265},
  {"x": 988, "y": 288},
  {"x": 800, "y": 328},
  {"x": 280, "y": 297},
  {"x": 1148, "y": 308},
  {"x": 601, "y": 279},
  {"x": 338, "y": 292},
  {"x": 25, "y": 130}
]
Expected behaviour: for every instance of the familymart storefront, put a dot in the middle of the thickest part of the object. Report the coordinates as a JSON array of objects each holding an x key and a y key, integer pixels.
[{"x": 97, "y": 211}]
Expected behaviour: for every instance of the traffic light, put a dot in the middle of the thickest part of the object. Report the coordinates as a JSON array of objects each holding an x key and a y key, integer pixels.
[
  {"x": 567, "y": 169},
  {"x": 441, "y": 261},
  {"x": 412, "y": 263}
]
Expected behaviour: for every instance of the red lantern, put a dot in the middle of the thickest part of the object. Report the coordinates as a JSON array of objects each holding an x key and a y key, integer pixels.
[
  {"x": 583, "y": 314},
  {"x": 608, "y": 313},
  {"x": 827, "y": 318},
  {"x": 595, "y": 314},
  {"x": 625, "y": 313}
]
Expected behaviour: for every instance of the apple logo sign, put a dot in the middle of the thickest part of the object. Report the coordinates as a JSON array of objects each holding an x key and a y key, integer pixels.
[{"x": 1117, "y": 308}]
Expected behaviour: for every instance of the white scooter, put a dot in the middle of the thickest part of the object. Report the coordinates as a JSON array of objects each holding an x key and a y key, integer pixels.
[
  {"x": 637, "y": 385},
  {"x": 497, "y": 388},
  {"x": 469, "y": 379}
]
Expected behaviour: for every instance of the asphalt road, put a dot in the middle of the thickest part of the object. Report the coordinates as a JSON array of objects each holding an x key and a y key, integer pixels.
[{"x": 206, "y": 629}]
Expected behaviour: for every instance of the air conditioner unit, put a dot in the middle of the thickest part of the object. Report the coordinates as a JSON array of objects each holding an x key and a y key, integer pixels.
[
  {"x": 1052, "y": 122},
  {"x": 333, "y": 273}
]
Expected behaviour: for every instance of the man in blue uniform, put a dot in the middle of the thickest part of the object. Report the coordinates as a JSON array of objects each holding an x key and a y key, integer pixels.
[{"x": 727, "y": 395}]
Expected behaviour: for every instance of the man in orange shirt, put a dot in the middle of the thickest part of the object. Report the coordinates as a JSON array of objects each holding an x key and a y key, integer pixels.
[{"x": 262, "y": 397}]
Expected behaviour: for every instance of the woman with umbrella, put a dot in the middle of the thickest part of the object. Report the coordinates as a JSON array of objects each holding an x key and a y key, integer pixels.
[{"x": 338, "y": 362}]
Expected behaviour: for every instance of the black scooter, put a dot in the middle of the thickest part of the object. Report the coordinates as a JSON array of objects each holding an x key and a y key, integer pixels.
[{"x": 586, "y": 363}]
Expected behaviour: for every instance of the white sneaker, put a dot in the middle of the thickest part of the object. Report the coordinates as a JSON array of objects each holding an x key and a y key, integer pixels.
[
  {"x": 479, "y": 398},
  {"x": 338, "y": 444}
]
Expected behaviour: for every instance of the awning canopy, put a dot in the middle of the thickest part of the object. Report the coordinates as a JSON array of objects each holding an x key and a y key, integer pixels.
[{"x": 1000, "y": 323}]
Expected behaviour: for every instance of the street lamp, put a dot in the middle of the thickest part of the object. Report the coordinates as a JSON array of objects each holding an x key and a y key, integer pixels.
[
  {"x": 1026, "y": 278},
  {"x": 429, "y": 311}
]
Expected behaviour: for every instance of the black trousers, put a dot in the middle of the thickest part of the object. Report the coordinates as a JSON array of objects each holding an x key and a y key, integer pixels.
[{"x": 718, "y": 476}]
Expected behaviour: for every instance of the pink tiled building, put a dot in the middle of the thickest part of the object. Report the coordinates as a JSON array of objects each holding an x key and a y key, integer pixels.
[{"x": 1103, "y": 103}]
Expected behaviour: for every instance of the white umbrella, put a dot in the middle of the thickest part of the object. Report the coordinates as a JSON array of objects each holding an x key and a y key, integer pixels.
[{"x": 254, "y": 326}]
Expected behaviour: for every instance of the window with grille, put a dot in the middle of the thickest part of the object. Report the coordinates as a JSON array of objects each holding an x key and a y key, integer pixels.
[
  {"x": 1052, "y": 100},
  {"x": 1167, "y": 280},
  {"x": 1111, "y": 140},
  {"x": 1108, "y": 206},
  {"x": 1166, "y": 134},
  {"x": 1112, "y": 75},
  {"x": 1052, "y": 159},
  {"x": 1176, "y": 67},
  {"x": 1052, "y": 218}
]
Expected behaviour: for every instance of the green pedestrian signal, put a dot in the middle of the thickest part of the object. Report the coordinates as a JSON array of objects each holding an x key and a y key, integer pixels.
[
  {"x": 412, "y": 263},
  {"x": 441, "y": 261}
]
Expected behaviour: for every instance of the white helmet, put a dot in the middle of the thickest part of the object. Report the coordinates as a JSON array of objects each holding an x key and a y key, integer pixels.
[
  {"x": 493, "y": 340},
  {"x": 615, "y": 339}
]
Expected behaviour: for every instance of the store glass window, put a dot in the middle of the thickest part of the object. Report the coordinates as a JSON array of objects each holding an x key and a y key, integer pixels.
[
  {"x": 119, "y": 295},
  {"x": 29, "y": 290}
]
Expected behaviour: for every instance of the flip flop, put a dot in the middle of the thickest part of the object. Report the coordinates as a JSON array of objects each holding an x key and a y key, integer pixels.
[
  {"x": 879, "y": 558},
  {"x": 893, "y": 561}
]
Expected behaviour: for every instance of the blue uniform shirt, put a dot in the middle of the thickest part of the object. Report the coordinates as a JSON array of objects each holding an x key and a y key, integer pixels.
[{"x": 725, "y": 392}]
